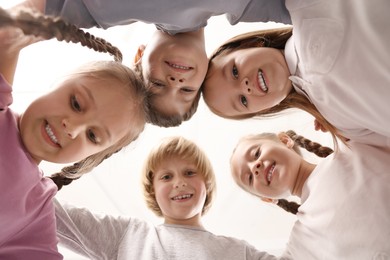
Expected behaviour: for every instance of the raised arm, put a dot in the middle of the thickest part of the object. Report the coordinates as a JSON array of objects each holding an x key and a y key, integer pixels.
[
  {"x": 12, "y": 41},
  {"x": 91, "y": 235}
]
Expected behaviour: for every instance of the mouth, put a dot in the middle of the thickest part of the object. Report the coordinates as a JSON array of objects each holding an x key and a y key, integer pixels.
[
  {"x": 269, "y": 172},
  {"x": 179, "y": 67},
  {"x": 50, "y": 133},
  {"x": 182, "y": 197},
  {"x": 261, "y": 81}
]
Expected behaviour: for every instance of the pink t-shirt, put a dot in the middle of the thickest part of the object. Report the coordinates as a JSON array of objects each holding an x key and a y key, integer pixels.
[{"x": 27, "y": 219}]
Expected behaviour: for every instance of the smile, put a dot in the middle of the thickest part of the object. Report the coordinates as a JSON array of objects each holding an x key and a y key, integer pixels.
[
  {"x": 50, "y": 133},
  {"x": 269, "y": 173},
  {"x": 261, "y": 81},
  {"x": 182, "y": 197},
  {"x": 178, "y": 66}
]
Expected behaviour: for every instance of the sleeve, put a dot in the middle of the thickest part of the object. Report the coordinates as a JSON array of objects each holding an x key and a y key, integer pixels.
[
  {"x": 91, "y": 235},
  {"x": 253, "y": 253},
  {"x": 73, "y": 11}
]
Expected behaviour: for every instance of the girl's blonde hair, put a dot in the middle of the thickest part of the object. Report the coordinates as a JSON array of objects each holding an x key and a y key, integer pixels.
[
  {"x": 273, "y": 38},
  {"x": 299, "y": 141},
  {"x": 115, "y": 72},
  {"x": 186, "y": 150},
  {"x": 46, "y": 27}
]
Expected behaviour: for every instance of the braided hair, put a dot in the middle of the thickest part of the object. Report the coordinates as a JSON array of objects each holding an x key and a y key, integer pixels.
[
  {"x": 299, "y": 141},
  {"x": 313, "y": 147},
  {"x": 48, "y": 27}
]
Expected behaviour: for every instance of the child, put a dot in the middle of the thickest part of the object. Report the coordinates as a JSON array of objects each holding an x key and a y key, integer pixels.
[
  {"x": 78, "y": 120},
  {"x": 324, "y": 69},
  {"x": 344, "y": 198},
  {"x": 179, "y": 185},
  {"x": 173, "y": 68}
]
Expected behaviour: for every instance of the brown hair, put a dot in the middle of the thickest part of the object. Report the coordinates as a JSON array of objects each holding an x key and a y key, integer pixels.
[
  {"x": 186, "y": 150},
  {"x": 155, "y": 117},
  {"x": 273, "y": 38}
]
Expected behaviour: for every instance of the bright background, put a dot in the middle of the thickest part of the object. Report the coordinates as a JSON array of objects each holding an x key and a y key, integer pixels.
[{"x": 114, "y": 187}]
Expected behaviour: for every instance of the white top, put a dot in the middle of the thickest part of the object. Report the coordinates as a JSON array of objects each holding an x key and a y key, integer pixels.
[
  {"x": 107, "y": 237},
  {"x": 169, "y": 15},
  {"x": 339, "y": 57},
  {"x": 345, "y": 211}
]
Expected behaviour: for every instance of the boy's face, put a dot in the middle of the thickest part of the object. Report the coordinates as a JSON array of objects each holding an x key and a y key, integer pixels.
[
  {"x": 265, "y": 168},
  {"x": 77, "y": 119},
  {"x": 174, "y": 67},
  {"x": 180, "y": 191}
]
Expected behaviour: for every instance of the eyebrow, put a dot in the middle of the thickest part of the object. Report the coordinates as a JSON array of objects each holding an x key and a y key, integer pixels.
[{"x": 92, "y": 100}]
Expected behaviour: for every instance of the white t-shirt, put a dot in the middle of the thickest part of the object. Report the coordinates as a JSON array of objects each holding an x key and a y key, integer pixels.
[
  {"x": 107, "y": 237},
  {"x": 339, "y": 57},
  {"x": 345, "y": 211}
]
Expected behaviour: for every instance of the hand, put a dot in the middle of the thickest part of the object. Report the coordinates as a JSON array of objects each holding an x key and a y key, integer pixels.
[{"x": 12, "y": 39}]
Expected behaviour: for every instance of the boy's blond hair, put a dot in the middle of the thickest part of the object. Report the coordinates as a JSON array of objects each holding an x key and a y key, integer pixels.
[{"x": 186, "y": 150}]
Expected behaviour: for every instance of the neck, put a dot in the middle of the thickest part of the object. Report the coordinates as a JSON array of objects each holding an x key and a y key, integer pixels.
[
  {"x": 304, "y": 172},
  {"x": 193, "y": 222}
]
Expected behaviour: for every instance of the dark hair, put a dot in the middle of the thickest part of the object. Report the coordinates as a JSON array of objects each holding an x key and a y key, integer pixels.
[
  {"x": 273, "y": 38},
  {"x": 155, "y": 117}
]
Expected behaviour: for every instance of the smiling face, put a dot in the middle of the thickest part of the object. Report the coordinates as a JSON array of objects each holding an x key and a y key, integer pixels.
[
  {"x": 79, "y": 118},
  {"x": 174, "y": 67},
  {"x": 247, "y": 81},
  {"x": 265, "y": 168},
  {"x": 180, "y": 191}
]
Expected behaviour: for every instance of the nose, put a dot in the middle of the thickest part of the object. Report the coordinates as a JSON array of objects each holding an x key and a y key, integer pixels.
[
  {"x": 256, "y": 167},
  {"x": 71, "y": 129},
  {"x": 175, "y": 80},
  {"x": 180, "y": 182},
  {"x": 245, "y": 86}
]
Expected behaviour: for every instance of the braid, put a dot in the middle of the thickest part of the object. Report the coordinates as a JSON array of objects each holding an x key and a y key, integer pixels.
[
  {"x": 75, "y": 171},
  {"x": 316, "y": 148},
  {"x": 289, "y": 206},
  {"x": 47, "y": 27}
]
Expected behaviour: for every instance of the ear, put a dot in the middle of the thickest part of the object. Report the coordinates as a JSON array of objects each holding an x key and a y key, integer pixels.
[
  {"x": 274, "y": 201},
  {"x": 140, "y": 52},
  {"x": 286, "y": 140}
]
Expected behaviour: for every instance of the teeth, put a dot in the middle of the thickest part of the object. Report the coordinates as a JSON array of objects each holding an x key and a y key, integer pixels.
[
  {"x": 181, "y": 197},
  {"x": 261, "y": 81},
  {"x": 269, "y": 174},
  {"x": 51, "y": 134},
  {"x": 179, "y": 66}
]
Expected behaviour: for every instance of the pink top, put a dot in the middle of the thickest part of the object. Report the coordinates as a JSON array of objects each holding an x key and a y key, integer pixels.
[{"x": 27, "y": 220}]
